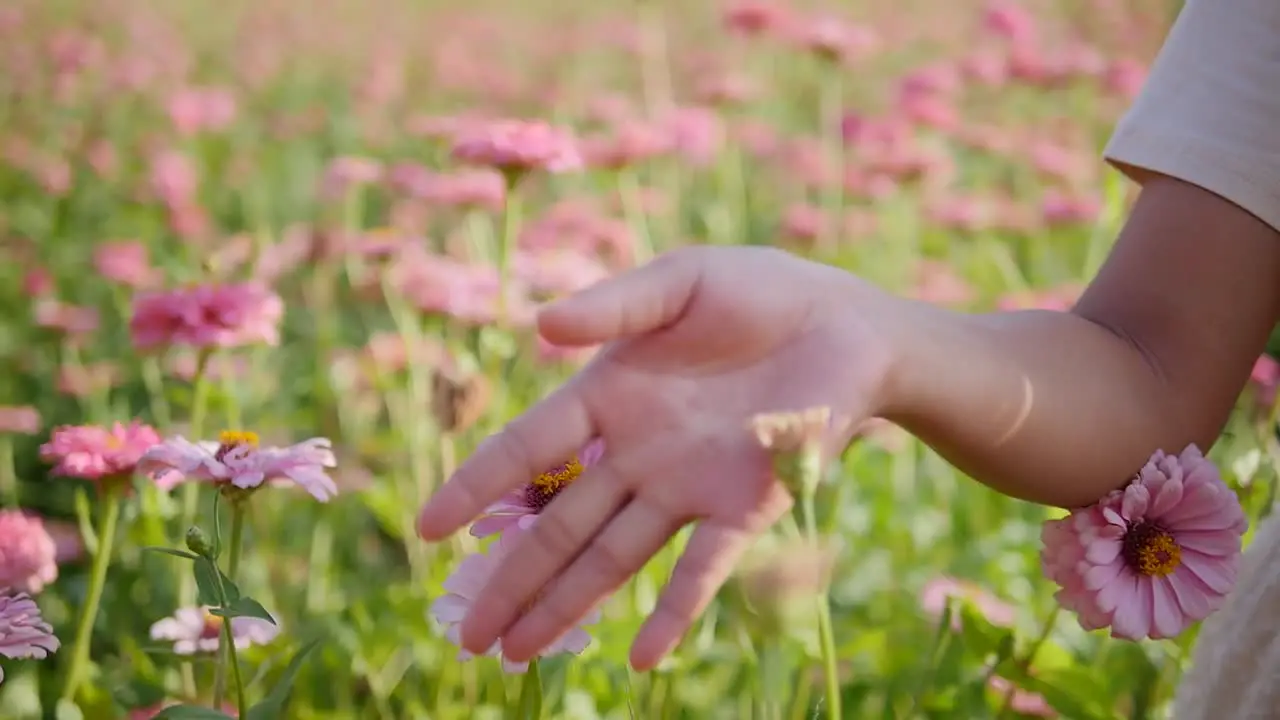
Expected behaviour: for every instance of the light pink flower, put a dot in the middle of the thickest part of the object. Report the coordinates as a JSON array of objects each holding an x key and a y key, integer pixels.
[
  {"x": 1154, "y": 557},
  {"x": 28, "y": 554},
  {"x": 238, "y": 460},
  {"x": 1022, "y": 702},
  {"x": 519, "y": 507},
  {"x": 936, "y": 592},
  {"x": 92, "y": 452},
  {"x": 207, "y": 316},
  {"x": 124, "y": 262},
  {"x": 23, "y": 633},
  {"x": 19, "y": 419},
  {"x": 194, "y": 630},
  {"x": 464, "y": 585},
  {"x": 517, "y": 146}
]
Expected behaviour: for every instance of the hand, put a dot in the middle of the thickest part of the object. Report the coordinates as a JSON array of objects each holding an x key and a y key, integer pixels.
[{"x": 696, "y": 343}]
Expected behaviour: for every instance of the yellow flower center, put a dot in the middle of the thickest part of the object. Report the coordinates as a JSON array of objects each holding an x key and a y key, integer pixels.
[
  {"x": 229, "y": 440},
  {"x": 1150, "y": 550},
  {"x": 212, "y": 626},
  {"x": 233, "y": 438},
  {"x": 542, "y": 489}
]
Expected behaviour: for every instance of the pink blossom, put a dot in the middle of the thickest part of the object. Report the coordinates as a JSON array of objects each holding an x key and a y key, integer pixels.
[
  {"x": 835, "y": 40},
  {"x": 88, "y": 379},
  {"x": 23, "y": 633},
  {"x": 174, "y": 178},
  {"x": 28, "y": 554},
  {"x": 630, "y": 143},
  {"x": 462, "y": 588},
  {"x": 349, "y": 172},
  {"x": 92, "y": 452},
  {"x": 936, "y": 593},
  {"x": 195, "y": 630},
  {"x": 519, "y": 507},
  {"x": 64, "y": 317},
  {"x": 193, "y": 110},
  {"x": 517, "y": 146},
  {"x": 1062, "y": 209},
  {"x": 1154, "y": 557},
  {"x": 19, "y": 419},
  {"x": 124, "y": 262},
  {"x": 207, "y": 316},
  {"x": 696, "y": 133},
  {"x": 1010, "y": 21},
  {"x": 1022, "y": 702},
  {"x": 238, "y": 460},
  {"x": 1265, "y": 379},
  {"x": 754, "y": 17},
  {"x": 558, "y": 272}
]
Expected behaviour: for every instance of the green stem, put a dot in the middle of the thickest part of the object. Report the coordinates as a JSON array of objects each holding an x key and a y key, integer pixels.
[
  {"x": 97, "y": 581},
  {"x": 228, "y": 649},
  {"x": 826, "y": 634},
  {"x": 8, "y": 473},
  {"x": 1025, "y": 664},
  {"x": 507, "y": 248},
  {"x": 191, "y": 498},
  {"x": 529, "y": 706}
]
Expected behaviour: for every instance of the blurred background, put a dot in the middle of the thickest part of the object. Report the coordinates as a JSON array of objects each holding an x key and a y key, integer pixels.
[{"x": 949, "y": 151}]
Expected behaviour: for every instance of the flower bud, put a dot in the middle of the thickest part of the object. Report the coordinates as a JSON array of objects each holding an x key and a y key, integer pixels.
[{"x": 198, "y": 542}]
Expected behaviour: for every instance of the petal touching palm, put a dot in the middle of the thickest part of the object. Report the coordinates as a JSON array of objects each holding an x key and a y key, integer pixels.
[{"x": 696, "y": 343}]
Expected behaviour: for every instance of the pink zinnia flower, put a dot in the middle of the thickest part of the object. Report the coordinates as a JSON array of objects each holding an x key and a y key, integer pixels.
[
  {"x": 92, "y": 452},
  {"x": 466, "y": 582},
  {"x": 23, "y": 633},
  {"x": 936, "y": 593},
  {"x": 238, "y": 460},
  {"x": 517, "y": 146},
  {"x": 207, "y": 316},
  {"x": 28, "y": 554},
  {"x": 194, "y": 630},
  {"x": 519, "y": 507},
  {"x": 124, "y": 262},
  {"x": 1154, "y": 557},
  {"x": 19, "y": 419}
]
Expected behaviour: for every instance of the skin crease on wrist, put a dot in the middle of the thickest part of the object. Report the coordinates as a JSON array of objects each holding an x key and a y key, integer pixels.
[{"x": 1059, "y": 408}]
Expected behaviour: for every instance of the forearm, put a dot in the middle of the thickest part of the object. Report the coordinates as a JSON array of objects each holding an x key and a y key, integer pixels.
[
  {"x": 1060, "y": 408},
  {"x": 1043, "y": 406}
]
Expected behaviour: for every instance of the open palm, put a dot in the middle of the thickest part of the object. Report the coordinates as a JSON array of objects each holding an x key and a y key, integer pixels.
[{"x": 696, "y": 343}]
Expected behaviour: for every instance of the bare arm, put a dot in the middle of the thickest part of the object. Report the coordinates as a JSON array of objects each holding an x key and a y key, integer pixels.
[{"x": 1059, "y": 408}]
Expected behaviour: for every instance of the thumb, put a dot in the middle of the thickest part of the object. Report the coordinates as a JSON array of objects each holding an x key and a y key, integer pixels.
[{"x": 648, "y": 298}]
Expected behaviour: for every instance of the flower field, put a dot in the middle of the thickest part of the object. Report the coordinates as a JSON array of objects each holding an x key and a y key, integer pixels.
[{"x": 269, "y": 271}]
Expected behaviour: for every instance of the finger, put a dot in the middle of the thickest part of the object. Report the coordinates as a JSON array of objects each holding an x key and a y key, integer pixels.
[
  {"x": 642, "y": 300},
  {"x": 560, "y": 532},
  {"x": 709, "y": 557},
  {"x": 543, "y": 436},
  {"x": 618, "y": 552}
]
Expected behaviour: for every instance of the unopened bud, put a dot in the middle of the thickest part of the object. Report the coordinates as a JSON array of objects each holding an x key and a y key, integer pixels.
[
  {"x": 795, "y": 440},
  {"x": 198, "y": 542}
]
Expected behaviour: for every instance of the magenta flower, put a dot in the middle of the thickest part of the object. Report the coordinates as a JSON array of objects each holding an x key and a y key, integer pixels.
[
  {"x": 207, "y": 316},
  {"x": 517, "y": 146},
  {"x": 23, "y": 633},
  {"x": 28, "y": 553},
  {"x": 124, "y": 262},
  {"x": 1154, "y": 557},
  {"x": 466, "y": 582},
  {"x": 92, "y": 452},
  {"x": 194, "y": 630},
  {"x": 237, "y": 460},
  {"x": 519, "y": 507}
]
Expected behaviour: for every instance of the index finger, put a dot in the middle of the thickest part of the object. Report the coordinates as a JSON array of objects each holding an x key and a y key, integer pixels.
[{"x": 544, "y": 435}]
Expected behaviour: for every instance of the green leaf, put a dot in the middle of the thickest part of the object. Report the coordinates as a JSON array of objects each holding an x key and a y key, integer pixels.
[
  {"x": 272, "y": 706},
  {"x": 170, "y": 551},
  {"x": 191, "y": 712},
  {"x": 207, "y": 577},
  {"x": 244, "y": 607}
]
